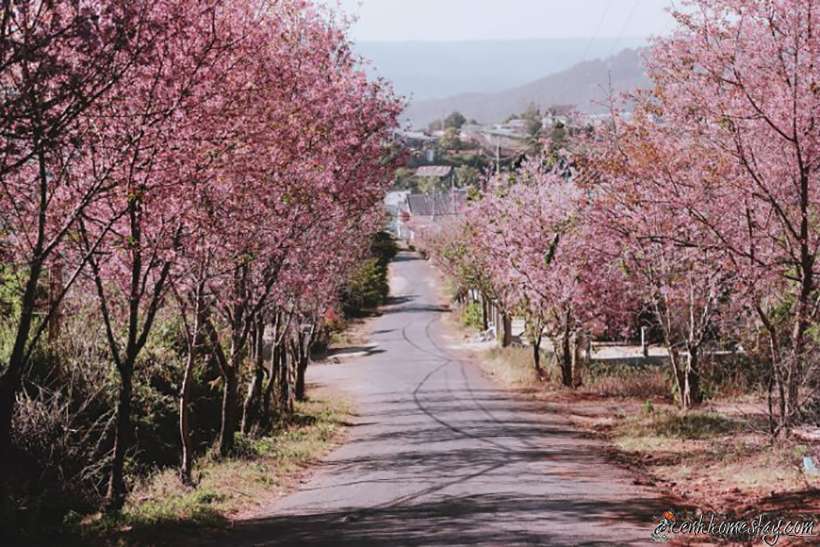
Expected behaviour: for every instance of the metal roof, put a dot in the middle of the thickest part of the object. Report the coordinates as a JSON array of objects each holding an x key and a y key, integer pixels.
[
  {"x": 445, "y": 203},
  {"x": 436, "y": 171}
]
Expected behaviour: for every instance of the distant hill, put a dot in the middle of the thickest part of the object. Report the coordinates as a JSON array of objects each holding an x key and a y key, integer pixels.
[
  {"x": 582, "y": 85},
  {"x": 434, "y": 70}
]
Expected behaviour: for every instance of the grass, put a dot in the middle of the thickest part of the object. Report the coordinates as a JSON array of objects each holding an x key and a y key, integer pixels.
[
  {"x": 674, "y": 425},
  {"x": 713, "y": 457},
  {"x": 160, "y": 510},
  {"x": 628, "y": 381},
  {"x": 513, "y": 367}
]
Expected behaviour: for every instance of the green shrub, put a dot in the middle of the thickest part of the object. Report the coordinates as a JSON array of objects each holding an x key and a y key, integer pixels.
[
  {"x": 366, "y": 289},
  {"x": 472, "y": 316},
  {"x": 383, "y": 247}
]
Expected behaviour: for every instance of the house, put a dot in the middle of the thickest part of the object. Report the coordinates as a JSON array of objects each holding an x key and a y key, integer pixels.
[
  {"x": 414, "y": 139},
  {"x": 518, "y": 126},
  {"x": 428, "y": 210}
]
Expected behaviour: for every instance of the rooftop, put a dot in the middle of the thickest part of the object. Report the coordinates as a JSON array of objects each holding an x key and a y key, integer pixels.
[
  {"x": 436, "y": 171},
  {"x": 444, "y": 203}
]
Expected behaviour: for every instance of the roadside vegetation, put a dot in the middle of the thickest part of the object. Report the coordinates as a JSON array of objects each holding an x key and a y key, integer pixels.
[
  {"x": 181, "y": 232},
  {"x": 687, "y": 226},
  {"x": 718, "y": 457},
  {"x": 161, "y": 510}
]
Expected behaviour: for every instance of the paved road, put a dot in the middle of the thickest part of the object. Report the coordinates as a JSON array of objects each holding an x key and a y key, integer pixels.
[{"x": 440, "y": 456}]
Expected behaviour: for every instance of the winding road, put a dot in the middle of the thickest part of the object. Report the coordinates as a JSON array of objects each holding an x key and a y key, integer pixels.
[{"x": 439, "y": 455}]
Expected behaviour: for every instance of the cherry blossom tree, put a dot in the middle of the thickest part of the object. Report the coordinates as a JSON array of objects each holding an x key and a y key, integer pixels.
[
  {"x": 734, "y": 113},
  {"x": 148, "y": 134},
  {"x": 57, "y": 60},
  {"x": 305, "y": 133}
]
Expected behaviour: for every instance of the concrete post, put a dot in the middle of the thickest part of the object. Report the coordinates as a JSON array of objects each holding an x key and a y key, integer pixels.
[{"x": 644, "y": 344}]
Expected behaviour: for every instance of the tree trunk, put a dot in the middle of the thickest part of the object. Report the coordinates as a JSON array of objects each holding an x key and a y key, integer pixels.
[
  {"x": 506, "y": 338},
  {"x": 187, "y": 456},
  {"x": 300, "y": 379},
  {"x": 11, "y": 377},
  {"x": 229, "y": 420},
  {"x": 301, "y": 365},
  {"x": 249, "y": 414},
  {"x": 577, "y": 341},
  {"x": 677, "y": 373},
  {"x": 9, "y": 383},
  {"x": 285, "y": 386},
  {"x": 794, "y": 370},
  {"x": 250, "y": 408},
  {"x": 536, "y": 357},
  {"x": 484, "y": 313},
  {"x": 266, "y": 418},
  {"x": 565, "y": 358},
  {"x": 115, "y": 498},
  {"x": 184, "y": 423},
  {"x": 692, "y": 394}
]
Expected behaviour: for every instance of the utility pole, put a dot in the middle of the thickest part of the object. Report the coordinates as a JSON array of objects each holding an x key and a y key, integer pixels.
[
  {"x": 497, "y": 154},
  {"x": 453, "y": 191}
]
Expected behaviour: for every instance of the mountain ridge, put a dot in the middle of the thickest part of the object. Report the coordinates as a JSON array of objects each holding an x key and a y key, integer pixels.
[
  {"x": 585, "y": 85},
  {"x": 423, "y": 70}
]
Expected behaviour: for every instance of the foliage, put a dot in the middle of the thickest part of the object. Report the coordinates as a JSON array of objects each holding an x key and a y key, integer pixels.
[
  {"x": 383, "y": 247},
  {"x": 366, "y": 288},
  {"x": 696, "y": 215},
  {"x": 472, "y": 315},
  {"x": 143, "y": 142},
  {"x": 453, "y": 121}
]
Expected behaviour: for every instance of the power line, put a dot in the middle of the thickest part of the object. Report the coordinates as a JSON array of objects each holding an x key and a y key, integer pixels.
[
  {"x": 626, "y": 23},
  {"x": 597, "y": 30}
]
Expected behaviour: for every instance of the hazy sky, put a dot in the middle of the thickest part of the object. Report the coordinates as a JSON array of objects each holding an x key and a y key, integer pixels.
[{"x": 455, "y": 20}]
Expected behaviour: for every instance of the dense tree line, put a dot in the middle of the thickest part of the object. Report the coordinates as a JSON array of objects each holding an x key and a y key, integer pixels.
[
  {"x": 186, "y": 189},
  {"x": 698, "y": 211}
]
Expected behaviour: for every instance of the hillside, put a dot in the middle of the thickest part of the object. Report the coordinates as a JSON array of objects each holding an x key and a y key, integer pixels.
[
  {"x": 434, "y": 70},
  {"x": 585, "y": 85}
]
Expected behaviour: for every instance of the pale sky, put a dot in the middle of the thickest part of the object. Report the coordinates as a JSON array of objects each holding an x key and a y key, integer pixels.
[{"x": 458, "y": 20}]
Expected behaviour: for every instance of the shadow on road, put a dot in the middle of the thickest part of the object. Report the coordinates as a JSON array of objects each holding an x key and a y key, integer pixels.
[
  {"x": 450, "y": 520},
  {"x": 406, "y": 256},
  {"x": 362, "y": 351}
]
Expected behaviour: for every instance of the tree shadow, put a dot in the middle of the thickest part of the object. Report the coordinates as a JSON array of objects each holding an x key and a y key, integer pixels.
[
  {"x": 406, "y": 257},
  {"x": 489, "y": 519},
  {"x": 363, "y": 351}
]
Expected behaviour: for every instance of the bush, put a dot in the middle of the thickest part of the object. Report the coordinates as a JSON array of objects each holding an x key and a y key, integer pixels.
[
  {"x": 366, "y": 289},
  {"x": 627, "y": 380},
  {"x": 472, "y": 316},
  {"x": 383, "y": 247},
  {"x": 61, "y": 439},
  {"x": 62, "y": 428}
]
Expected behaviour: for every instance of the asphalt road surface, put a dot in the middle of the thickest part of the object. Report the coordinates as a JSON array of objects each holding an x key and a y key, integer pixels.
[{"x": 439, "y": 455}]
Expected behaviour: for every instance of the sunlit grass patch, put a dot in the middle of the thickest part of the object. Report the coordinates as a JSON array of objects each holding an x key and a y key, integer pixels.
[
  {"x": 671, "y": 424},
  {"x": 626, "y": 380},
  {"x": 513, "y": 366},
  {"x": 712, "y": 453}
]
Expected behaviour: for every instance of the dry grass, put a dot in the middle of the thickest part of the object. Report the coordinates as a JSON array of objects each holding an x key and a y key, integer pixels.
[
  {"x": 513, "y": 367},
  {"x": 160, "y": 508},
  {"x": 712, "y": 457},
  {"x": 628, "y": 381}
]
